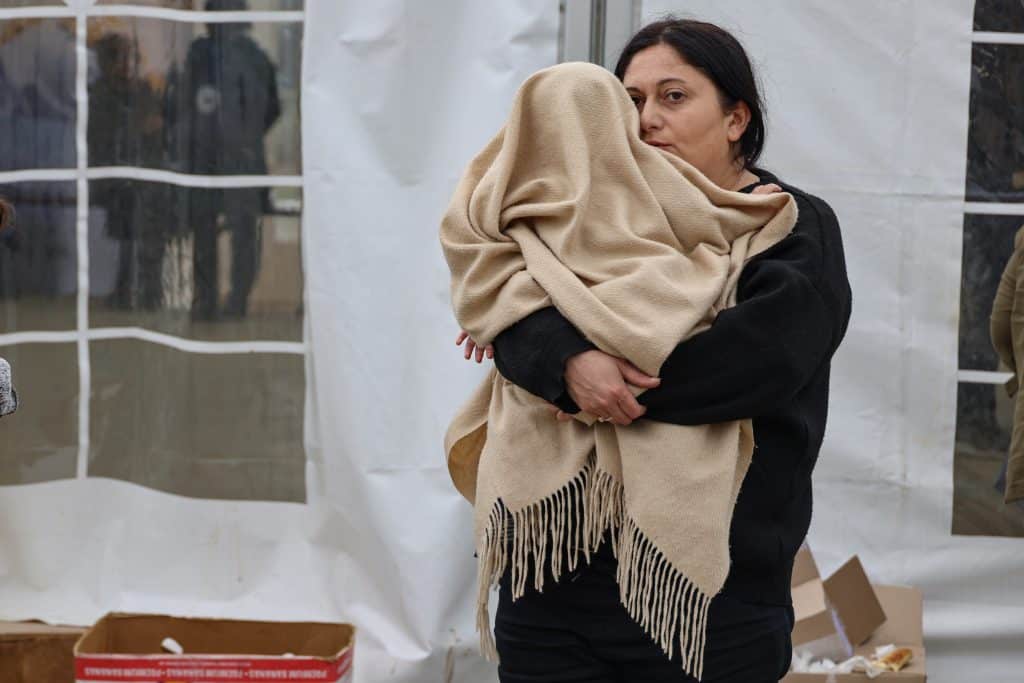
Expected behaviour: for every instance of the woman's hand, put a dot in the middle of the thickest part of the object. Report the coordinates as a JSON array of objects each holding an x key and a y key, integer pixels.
[
  {"x": 472, "y": 346},
  {"x": 770, "y": 188},
  {"x": 597, "y": 382}
]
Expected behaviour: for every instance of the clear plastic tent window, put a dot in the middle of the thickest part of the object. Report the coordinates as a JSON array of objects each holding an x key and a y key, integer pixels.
[{"x": 164, "y": 151}]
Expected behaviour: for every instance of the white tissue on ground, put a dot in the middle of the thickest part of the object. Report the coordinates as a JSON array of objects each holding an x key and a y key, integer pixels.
[
  {"x": 172, "y": 646},
  {"x": 804, "y": 662}
]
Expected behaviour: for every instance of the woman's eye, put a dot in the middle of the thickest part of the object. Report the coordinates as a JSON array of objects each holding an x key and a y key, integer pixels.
[
  {"x": 675, "y": 95},
  {"x": 636, "y": 102}
]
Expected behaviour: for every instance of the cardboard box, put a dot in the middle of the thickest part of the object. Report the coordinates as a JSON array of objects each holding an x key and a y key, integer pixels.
[
  {"x": 32, "y": 652},
  {"x": 834, "y": 615},
  {"x": 902, "y": 608},
  {"x": 127, "y": 648}
]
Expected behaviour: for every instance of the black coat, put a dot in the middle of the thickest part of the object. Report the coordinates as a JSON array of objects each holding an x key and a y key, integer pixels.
[{"x": 767, "y": 358}]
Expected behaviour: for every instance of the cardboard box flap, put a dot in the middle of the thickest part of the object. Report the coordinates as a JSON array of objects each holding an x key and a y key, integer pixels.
[
  {"x": 904, "y": 607},
  {"x": 809, "y": 598},
  {"x": 813, "y": 619},
  {"x": 850, "y": 593},
  {"x": 804, "y": 567},
  {"x": 33, "y": 652},
  {"x": 11, "y": 630},
  {"x": 135, "y": 634}
]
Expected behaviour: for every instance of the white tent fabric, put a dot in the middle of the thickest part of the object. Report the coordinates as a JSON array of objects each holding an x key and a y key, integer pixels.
[
  {"x": 398, "y": 97},
  {"x": 868, "y": 105}
]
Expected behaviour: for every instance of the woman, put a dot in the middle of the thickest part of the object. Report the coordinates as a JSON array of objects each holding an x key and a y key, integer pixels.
[{"x": 697, "y": 98}]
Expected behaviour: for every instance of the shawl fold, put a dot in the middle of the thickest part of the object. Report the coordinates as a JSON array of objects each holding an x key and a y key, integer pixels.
[{"x": 567, "y": 206}]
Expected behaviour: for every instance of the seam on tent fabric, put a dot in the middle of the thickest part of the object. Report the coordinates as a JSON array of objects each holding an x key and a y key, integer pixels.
[
  {"x": 151, "y": 175},
  {"x": 197, "y": 16},
  {"x": 190, "y": 16},
  {"x": 994, "y": 208},
  {"x": 191, "y": 180},
  {"x": 196, "y": 346},
  {"x": 997, "y": 37},
  {"x": 47, "y": 174},
  {"x": 983, "y": 376},
  {"x": 180, "y": 343},
  {"x": 64, "y": 337},
  {"x": 82, "y": 241},
  {"x": 37, "y": 12}
]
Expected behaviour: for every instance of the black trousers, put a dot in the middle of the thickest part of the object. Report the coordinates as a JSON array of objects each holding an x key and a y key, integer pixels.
[
  {"x": 577, "y": 631},
  {"x": 242, "y": 214}
]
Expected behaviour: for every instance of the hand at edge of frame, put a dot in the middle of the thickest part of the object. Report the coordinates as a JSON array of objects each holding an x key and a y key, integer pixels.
[{"x": 473, "y": 348}]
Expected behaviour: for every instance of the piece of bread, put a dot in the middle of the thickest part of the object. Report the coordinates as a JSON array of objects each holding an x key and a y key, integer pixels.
[{"x": 895, "y": 660}]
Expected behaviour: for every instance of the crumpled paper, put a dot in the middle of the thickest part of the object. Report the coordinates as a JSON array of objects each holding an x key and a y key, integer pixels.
[{"x": 804, "y": 662}]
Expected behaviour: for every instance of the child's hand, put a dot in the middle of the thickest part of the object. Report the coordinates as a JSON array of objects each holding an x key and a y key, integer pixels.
[
  {"x": 472, "y": 346},
  {"x": 770, "y": 188}
]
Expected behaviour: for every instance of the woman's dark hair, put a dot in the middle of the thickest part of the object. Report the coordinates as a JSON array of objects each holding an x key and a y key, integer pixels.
[
  {"x": 6, "y": 214},
  {"x": 720, "y": 56}
]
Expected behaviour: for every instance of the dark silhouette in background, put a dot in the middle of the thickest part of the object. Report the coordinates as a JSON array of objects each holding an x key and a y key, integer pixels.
[
  {"x": 126, "y": 129},
  {"x": 226, "y": 97},
  {"x": 37, "y": 130}
]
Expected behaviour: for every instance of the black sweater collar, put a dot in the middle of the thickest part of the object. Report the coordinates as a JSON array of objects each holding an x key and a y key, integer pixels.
[{"x": 764, "y": 177}]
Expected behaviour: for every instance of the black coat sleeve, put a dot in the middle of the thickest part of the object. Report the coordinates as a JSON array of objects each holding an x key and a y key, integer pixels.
[
  {"x": 752, "y": 360},
  {"x": 532, "y": 354},
  {"x": 793, "y": 304}
]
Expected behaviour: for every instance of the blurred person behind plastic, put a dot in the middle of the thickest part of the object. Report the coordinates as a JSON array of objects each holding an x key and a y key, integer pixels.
[
  {"x": 38, "y": 111},
  {"x": 8, "y": 397},
  {"x": 126, "y": 129},
  {"x": 1007, "y": 332},
  {"x": 220, "y": 107}
]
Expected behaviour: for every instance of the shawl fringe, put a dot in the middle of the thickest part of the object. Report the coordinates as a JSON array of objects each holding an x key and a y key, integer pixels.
[{"x": 572, "y": 521}]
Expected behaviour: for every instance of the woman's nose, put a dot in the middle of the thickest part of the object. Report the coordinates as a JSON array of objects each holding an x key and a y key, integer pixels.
[{"x": 650, "y": 118}]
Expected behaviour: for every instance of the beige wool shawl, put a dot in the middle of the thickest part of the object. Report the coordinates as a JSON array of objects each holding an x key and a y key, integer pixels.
[{"x": 566, "y": 206}]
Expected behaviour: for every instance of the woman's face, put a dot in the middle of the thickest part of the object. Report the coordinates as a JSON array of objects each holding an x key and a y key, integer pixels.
[{"x": 681, "y": 112}]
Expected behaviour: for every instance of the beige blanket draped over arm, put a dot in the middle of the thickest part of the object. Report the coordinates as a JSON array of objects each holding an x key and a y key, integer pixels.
[{"x": 567, "y": 206}]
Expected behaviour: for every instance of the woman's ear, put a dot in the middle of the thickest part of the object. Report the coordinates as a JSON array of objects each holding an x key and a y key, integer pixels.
[{"x": 737, "y": 122}]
